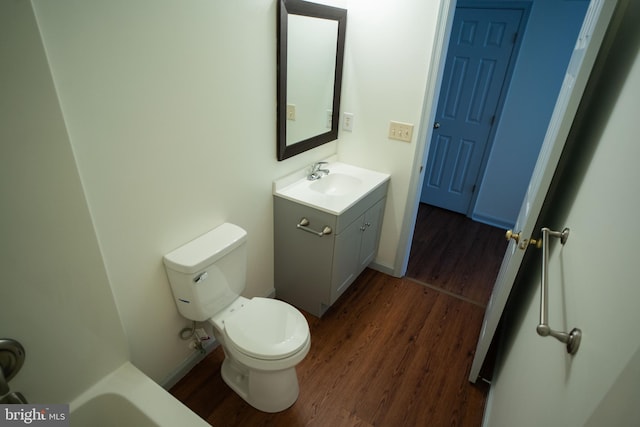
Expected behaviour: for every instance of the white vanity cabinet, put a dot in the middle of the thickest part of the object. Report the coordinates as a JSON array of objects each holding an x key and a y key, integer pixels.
[{"x": 312, "y": 271}]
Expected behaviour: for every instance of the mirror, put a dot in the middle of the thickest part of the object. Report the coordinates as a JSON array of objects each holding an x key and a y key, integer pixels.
[{"x": 310, "y": 56}]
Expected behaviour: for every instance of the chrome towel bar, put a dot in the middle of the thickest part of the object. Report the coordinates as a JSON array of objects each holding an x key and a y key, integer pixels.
[
  {"x": 571, "y": 339},
  {"x": 303, "y": 225}
]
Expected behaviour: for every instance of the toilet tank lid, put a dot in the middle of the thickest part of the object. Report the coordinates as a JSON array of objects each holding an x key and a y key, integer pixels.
[{"x": 206, "y": 249}]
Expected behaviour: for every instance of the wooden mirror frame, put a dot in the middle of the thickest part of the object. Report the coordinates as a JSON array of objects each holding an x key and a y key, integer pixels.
[{"x": 304, "y": 8}]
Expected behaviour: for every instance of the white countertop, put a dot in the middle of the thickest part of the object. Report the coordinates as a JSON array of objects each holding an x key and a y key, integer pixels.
[{"x": 296, "y": 187}]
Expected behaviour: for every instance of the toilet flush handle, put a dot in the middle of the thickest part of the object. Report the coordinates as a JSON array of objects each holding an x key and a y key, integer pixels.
[{"x": 201, "y": 277}]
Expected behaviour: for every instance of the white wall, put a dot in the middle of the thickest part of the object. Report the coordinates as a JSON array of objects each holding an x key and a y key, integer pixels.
[
  {"x": 55, "y": 296},
  {"x": 593, "y": 282},
  {"x": 170, "y": 109},
  {"x": 388, "y": 52}
]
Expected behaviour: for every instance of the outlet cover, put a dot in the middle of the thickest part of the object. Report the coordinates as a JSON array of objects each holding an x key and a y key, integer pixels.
[
  {"x": 400, "y": 131},
  {"x": 347, "y": 122},
  {"x": 291, "y": 112}
]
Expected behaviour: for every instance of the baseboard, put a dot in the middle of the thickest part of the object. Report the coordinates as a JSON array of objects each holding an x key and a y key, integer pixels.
[
  {"x": 382, "y": 268},
  {"x": 188, "y": 364},
  {"x": 488, "y": 405},
  {"x": 492, "y": 221}
]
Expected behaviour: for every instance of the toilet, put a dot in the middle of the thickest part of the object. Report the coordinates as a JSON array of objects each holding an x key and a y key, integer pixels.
[{"x": 263, "y": 339}]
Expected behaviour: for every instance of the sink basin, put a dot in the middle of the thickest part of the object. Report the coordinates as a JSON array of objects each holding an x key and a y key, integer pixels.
[
  {"x": 333, "y": 193},
  {"x": 336, "y": 184}
]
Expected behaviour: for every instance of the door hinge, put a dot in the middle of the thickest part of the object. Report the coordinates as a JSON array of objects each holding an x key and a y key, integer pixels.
[
  {"x": 473, "y": 189},
  {"x": 493, "y": 120},
  {"x": 515, "y": 37}
]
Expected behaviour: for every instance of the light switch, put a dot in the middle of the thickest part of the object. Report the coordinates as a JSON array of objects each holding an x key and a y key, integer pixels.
[{"x": 401, "y": 131}]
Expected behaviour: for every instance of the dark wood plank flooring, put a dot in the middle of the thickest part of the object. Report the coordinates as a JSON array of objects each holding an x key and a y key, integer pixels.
[
  {"x": 456, "y": 254},
  {"x": 390, "y": 352}
]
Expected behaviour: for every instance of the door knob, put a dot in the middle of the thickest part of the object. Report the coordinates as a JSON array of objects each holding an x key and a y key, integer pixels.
[
  {"x": 511, "y": 235},
  {"x": 436, "y": 125}
]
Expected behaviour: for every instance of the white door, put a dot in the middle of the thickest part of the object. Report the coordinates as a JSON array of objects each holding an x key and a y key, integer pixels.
[
  {"x": 587, "y": 46},
  {"x": 593, "y": 278}
]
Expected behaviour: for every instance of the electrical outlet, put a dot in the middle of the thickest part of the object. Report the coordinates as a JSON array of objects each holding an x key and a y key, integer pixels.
[
  {"x": 291, "y": 112},
  {"x": 329, "y": 118},
  {"x": 347, "y": 122},
  {"x": 400, "y": 131}
]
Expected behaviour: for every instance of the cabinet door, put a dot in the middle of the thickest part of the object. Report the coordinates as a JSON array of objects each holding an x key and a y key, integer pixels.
[
  {"x": 302, "y": 260},
  {"x": 345, "y": 258},
  {"x": 370, "y": 235}
]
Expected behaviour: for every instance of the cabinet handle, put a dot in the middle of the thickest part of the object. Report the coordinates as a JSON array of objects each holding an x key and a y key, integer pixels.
[{"x": 304, "y": 222}]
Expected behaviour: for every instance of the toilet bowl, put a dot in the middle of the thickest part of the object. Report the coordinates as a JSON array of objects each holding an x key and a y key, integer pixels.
[{"x": 263, "y": 339}]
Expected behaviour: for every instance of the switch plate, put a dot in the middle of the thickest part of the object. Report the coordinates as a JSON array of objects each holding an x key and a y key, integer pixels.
[
  {"x": 400, "y": 131},
  {"x": 347, "y": 122},
  {"x": 291, "y": 112}
]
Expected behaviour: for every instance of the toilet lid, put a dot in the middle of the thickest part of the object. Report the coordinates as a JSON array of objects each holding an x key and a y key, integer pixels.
[{"x": 266, "y": 328}]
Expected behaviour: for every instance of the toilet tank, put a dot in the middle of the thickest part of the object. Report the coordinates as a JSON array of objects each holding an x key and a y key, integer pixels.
[{"x": 208, "y": 273}]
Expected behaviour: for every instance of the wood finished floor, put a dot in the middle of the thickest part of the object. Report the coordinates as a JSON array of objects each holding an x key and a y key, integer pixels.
[
  {"x": 455, "y": 254},
  {"x": 390, "y": 352}
]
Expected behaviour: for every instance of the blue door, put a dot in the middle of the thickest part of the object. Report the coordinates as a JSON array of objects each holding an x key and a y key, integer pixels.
[{"x": 480, "y": 51}]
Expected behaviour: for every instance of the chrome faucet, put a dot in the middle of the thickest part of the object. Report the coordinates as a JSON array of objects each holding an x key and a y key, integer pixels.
[{"x": 317, "y": 172}]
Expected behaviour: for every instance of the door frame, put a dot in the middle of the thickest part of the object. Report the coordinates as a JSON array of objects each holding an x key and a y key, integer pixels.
[
  {"x": 444, "y": 23},
  {"x": 526, "y": 11}
]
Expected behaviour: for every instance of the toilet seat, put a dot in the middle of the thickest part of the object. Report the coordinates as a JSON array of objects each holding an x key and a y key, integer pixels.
[{"x": 267, "y": 329}]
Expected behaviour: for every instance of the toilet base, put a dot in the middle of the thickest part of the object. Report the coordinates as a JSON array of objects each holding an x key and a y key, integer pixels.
[{"x": 267, "y": 391}]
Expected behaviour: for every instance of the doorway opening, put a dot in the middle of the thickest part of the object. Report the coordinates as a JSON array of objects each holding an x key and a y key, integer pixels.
[
  {"x": 456, "y": 255},
  {"x": 480, "y": 60},
  {"x": 587, "y": 46},
  {"x": 510, "y": 161}
]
